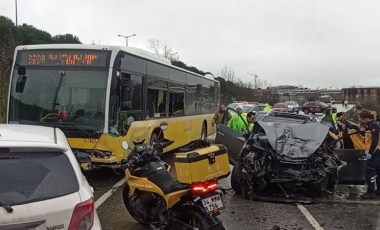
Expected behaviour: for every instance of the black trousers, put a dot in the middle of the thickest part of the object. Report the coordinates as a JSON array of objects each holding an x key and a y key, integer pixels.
[{"x": 373, "y": 173}]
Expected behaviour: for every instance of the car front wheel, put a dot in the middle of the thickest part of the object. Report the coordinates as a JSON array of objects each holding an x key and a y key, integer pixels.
[{"x": 237, "y": 178}]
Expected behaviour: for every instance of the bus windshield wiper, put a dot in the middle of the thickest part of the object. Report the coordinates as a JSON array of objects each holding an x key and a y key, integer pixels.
[
  {"x": 89, "y": 134},
  {"x": 6, "y": 206}
]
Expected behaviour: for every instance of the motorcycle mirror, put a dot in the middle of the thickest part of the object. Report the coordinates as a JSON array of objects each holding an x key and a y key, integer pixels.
[{"x": 125, "y": 145}]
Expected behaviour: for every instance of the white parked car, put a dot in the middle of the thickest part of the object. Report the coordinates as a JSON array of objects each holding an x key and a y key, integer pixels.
[
  {"x": 41, "y": 184},
  {"x": 293, "y": 106}
]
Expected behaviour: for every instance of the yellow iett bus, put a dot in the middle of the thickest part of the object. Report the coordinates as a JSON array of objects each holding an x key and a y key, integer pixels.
[{"x": 100, "y": 96}]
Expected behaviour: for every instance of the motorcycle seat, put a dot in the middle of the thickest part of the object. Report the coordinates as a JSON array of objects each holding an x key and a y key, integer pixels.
[{"x": 166, "y": 182}]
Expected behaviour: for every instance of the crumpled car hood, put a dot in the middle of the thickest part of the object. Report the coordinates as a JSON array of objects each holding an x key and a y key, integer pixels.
[{"x": 295, "y": 140}]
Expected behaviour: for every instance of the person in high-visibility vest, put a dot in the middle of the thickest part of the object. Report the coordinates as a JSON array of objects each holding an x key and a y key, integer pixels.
[
  {"x": 327, "y": 116},
  {"x": 372, "y": 153},
  {"x": 267, "y": 108},
  {"x": 334, "y": 114},
  {"x": 251, "y": 118},
  {"x": 236, "y": 121}
]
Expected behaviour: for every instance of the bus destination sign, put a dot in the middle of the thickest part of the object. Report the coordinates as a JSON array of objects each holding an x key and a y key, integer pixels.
[{"x": 63, "y": 57}]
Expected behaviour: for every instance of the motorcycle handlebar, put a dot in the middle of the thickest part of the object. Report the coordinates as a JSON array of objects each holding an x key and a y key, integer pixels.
[{"x": 147, "y": 154}]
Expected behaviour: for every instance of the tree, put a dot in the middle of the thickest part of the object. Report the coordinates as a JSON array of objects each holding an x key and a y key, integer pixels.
[
  {"x": 29, "y": 35},
  {"x": 164, "y": 50},
  {"x": 227, "y": 73},
  {"x": 12, "y": 36},
  {"x": 65, "y": 39},
  {"x": 7, "y": 46}
]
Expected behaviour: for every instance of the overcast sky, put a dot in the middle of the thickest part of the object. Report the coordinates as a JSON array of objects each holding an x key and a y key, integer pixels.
[{"x": 314, "y": 43}]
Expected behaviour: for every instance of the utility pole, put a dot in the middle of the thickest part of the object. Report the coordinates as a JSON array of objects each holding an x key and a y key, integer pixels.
[
  {"x": 254, "y": 75},
  {"x": 126, "y": 38},
  {"x": 16, "y": 12}
]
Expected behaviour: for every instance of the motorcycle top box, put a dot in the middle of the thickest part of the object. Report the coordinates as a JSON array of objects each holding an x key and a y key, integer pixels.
[{"x": 202, "y": 164}]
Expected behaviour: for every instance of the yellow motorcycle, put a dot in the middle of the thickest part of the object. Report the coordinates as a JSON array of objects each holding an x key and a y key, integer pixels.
[{"x": 153, "y": 197}]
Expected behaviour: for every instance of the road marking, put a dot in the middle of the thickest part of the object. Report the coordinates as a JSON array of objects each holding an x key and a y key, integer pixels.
[
  {"x": 109, "y": 193},
  {"x": 309, "y": 217}
]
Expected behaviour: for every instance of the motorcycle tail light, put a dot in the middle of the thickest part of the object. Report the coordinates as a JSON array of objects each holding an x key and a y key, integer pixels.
[
  {"x": 201, "y": 188},
  {"x": 83, "y": 216}
]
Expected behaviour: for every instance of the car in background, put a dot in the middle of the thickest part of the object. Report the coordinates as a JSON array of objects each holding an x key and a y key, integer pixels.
[
  {"x": 293, "y": 106},
  {"x": 314, "y": 107},
  {"x": 253, "y": 108},
  {"x": 280, "y": 107},
  {"x": 41, "y": 183},
  {"x": 244, "y": 104},
  {"x": 234, "y": 105},
  {"x": 326, "y": 99}
]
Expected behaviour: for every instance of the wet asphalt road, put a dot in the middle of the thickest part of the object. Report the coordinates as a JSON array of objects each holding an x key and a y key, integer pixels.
[
  {"x": 330, "y": 213},
  {"x": 343, "y": 211}
]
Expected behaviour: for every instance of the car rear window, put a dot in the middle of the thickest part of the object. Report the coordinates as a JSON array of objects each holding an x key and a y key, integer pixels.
[{"x": 32, "y": 176}]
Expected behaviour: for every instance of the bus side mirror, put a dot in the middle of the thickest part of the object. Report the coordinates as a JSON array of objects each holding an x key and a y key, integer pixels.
[
  {"x": 21, "y": 71},
  {"x": 20, "y": 84}
]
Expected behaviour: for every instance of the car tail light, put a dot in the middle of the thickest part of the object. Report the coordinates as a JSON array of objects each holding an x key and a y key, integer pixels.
[
  {"x": 83, "y": 216},
  {"x": 4, "y": 150},
  {"x": 200, "y": 188},
  {"x": 63, "y": 116}
]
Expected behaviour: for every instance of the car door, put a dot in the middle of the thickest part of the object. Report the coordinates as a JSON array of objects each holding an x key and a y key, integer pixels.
[
  {"x": 354, "y": 172},
  {"x": 232, "y": 139}
]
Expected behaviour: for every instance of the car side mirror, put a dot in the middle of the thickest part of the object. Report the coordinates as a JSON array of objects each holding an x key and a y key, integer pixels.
[{"x": 83, "y": 157}]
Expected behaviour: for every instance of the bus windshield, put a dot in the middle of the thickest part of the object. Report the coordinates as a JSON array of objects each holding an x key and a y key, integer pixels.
[{"x": 70, "y": 98}]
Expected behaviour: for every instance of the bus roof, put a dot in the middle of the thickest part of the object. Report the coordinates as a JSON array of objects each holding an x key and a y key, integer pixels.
[{"x": 131, "y": 50}]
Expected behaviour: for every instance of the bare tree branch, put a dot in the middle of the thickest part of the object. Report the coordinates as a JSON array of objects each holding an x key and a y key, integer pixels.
[{"x": 154, "y": 45}]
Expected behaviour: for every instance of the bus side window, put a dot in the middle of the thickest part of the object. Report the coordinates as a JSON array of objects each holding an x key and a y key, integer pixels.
[
  {"x": 156, "y": 103},
  {"x": 176, "y": 104}
]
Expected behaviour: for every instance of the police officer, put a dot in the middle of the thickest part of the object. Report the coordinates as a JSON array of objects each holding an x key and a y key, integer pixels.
[
  {"x": 267, "y": 108},
  {"x": 372, "y": 153},
  {"x": 237, "y": 120}
]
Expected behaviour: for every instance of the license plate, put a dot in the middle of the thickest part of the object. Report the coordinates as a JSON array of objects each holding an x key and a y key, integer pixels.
[{"x": 213, "y": 203}]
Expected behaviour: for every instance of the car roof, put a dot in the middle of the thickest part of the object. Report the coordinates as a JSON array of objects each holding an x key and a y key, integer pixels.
[{"x": 12, "y": 135}]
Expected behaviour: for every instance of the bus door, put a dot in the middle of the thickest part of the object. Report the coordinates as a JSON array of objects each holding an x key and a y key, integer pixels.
[{"x": 131, "y": 104}]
